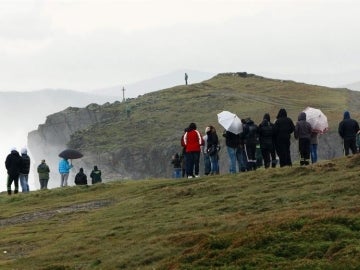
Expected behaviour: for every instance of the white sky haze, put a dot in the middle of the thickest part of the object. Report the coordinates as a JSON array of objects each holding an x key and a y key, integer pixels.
[{"x": 89, "y": 44}]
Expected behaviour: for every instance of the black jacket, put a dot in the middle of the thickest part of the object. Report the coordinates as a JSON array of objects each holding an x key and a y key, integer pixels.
[
  {"x": 266, "y": 134},
  {"x": 81, "y": 178},
  {"x": 25, "y": 164},
  {"x": 232, "y": 140},
  {"x": 13, "y": 163},
  {"x": 283, "y": 126},
  {"x": 348, "y": 127}
]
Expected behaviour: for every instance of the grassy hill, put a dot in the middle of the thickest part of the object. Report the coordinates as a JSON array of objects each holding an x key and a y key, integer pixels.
[
  {"x": 159, "y": 118},
  {"x": 145, "y": 141},
  {"x": 282, "y": 218}
]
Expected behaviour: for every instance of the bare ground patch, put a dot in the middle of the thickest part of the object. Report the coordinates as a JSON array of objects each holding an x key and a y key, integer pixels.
[{"x": 28, "y": 217}]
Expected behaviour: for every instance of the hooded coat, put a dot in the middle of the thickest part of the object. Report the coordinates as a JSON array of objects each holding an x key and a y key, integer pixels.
[
  {"x": 348, "y": 127},
  {"x": 81, "y": 178},
  {"x": 266, "y": 133},
  {"x": 283, "y": 126},
  {"x": 302, "y": 129},
  {"x": 13, "y": 163}
]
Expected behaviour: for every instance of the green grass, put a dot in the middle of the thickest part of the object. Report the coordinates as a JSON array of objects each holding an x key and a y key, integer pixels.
[{"x": 283, "y": 218}]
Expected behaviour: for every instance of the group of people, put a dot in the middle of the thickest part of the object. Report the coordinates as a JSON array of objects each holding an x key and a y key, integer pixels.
[
  {"x": 80, "y": 177},
  {"x": 273, "y": 141},
  {"x": 18, "y": 168}
]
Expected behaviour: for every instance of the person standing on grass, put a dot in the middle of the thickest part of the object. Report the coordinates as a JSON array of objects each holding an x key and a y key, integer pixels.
[
  {"x": 24, "y": 170},
  {"x": 43, "y": 171},
  {"x": 314, "y": 141},
  {"x": 64, "y": 170},
  {"x": 266, "y": 139},
  {"x": 302, "y": 133},
  {"x": 192, "y": 141},
  {"x": 176, "y": 162},
  {"x": 250, "y": 136},
  {"x": 95, "y": 175},
  {"x": 283, "y": 128},
  {"x": 207, "y": 164},
  {"x": 80, "y": 178},
  {"x": 12, "y": 164},
  {"x": 212, "y": 149},
  {"x": 348, "y": 128}
]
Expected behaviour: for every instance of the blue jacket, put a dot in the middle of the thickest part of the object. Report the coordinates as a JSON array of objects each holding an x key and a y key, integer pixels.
[{"x": 64, "y": 166}]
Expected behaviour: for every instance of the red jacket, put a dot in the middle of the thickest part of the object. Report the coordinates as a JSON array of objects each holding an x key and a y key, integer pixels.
[{"x": 192, "y": 140}]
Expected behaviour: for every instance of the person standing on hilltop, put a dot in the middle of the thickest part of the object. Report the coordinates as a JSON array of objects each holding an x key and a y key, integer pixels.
[
  {"x": 192, "y": 141},
  {"x": 95, "y": 175},
  {"x": 24, "y": 170},
  {"x": 348, "y": 129},
  {"x": 12, "y": 164},
  {"x": 283, "y": 128},
  {"x": 186, "y": 79},
  {"x": 303, "y": 134},
  {"x": 64, "y": 170}
]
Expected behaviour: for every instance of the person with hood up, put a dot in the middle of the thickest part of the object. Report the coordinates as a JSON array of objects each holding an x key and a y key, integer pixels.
[
  {"x": 212, "y": 149},
  {"x": 250, "y": 135},
  {"x": 95, "y": 175},
  {"x": 80, "y": 178},
  {"x": 283, "y": 128},
  {"x": 348, "y": 129},
  {"x": 24, "y": 170},
  {"x": 303, "y": 134},
  {"x": 192, "y": 141},
  {"x": 266, "y": 139},
  {"x": 12, "y": 164},
  {"x": 43, "y": 171}
]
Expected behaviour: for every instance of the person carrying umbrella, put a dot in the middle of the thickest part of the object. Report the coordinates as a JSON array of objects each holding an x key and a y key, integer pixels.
[{"x": 64, "y": 170}]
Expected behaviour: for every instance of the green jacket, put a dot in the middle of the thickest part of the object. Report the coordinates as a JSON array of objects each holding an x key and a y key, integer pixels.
[
  {"x": 95, "y": 176},
  {"x": 43, "y": 171}
]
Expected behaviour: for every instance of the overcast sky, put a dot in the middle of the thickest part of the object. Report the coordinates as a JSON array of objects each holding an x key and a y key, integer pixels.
[{"x": 89, "y": 44}]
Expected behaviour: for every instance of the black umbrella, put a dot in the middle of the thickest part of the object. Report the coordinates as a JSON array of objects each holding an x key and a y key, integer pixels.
[{"x": 70, "y": 154}]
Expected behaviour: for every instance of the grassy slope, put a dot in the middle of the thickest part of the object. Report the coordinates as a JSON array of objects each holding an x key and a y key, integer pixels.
[
  {"x": 159, "y": 118},
  {"x": 283, "y": 218}
]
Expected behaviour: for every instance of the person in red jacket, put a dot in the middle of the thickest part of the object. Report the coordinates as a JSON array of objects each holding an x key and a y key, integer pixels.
[{"x": 192, "y": 140}]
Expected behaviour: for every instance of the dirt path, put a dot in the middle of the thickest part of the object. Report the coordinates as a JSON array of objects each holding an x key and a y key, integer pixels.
[{"x": 50, "y": 213}]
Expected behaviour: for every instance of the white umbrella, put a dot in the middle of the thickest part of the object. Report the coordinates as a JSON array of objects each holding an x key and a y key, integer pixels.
[
  {"x": 317, "y": 120},
  {"x": 230, "y": 122}
]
